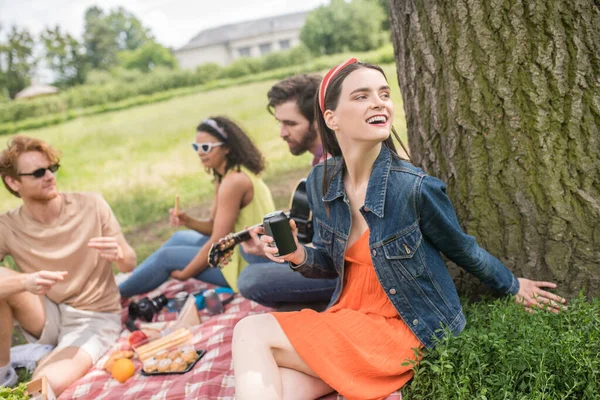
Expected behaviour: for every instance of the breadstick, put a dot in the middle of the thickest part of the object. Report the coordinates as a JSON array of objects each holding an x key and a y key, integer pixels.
[
  {"x": 176, "y": 204},
  {"x": 165, "y": 346},
  {"x": 165, "y": 339},
  {"x": 158, "y": 342},
  {"x": 173, "y": 339}
]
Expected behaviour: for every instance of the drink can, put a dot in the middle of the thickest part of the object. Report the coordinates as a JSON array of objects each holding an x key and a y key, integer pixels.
[
  {"x": 180, "y": 299},
  {"x": 213, "y": 302}
]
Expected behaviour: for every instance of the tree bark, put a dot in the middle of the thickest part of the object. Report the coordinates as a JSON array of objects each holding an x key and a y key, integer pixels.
[{"x": 502, "y": 102}]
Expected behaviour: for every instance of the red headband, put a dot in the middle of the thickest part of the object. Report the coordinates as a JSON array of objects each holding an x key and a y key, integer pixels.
[{"x": 325, "y": 82}]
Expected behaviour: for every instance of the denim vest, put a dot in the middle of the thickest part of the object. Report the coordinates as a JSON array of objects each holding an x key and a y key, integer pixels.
[{"x": 411, "y": 220}]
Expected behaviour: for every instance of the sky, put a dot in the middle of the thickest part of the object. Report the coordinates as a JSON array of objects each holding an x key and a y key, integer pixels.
[{"x": 173, "y": 22}]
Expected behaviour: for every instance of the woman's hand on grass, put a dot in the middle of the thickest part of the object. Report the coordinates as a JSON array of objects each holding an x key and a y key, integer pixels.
[{"x": 534, "y": 297}]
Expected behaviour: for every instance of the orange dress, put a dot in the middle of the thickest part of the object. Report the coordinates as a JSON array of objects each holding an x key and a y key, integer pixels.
[{"x": 358, "y": 345}]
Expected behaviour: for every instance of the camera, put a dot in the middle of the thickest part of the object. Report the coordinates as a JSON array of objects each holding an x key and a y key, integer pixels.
[
  {"x": 277, "y": 225},
  {"x": 146, "y": 308}
]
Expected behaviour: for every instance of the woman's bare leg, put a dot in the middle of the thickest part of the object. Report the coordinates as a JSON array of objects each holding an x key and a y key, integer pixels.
[
  {"x": 299, "y": 386},
  {"x": 259, "y": 348}
]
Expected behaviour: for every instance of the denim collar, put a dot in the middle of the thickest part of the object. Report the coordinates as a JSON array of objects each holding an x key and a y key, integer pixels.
[{"x": 376, "y": 190}]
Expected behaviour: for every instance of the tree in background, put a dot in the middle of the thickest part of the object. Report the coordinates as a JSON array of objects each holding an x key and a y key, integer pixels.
[
  {"x": 3, "y": 81},
  {"x": 99, "y": 39},
  {"x": 107, "y": 34},
  {"x": 502, "y": 102},
  {"x": 385, "y": 6},
  {"x": 17, "y": 61},
  {"x": 108, "y": 39},
  {"x": 147, "y": 57},
  {"x": 65, "y": 56},
  {"x": 344, "y": 26},
  {"x": 129, "y": 31}
]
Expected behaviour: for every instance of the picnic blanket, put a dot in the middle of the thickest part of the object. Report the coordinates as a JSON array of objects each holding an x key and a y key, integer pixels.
[{"x": 211, "y": 378}]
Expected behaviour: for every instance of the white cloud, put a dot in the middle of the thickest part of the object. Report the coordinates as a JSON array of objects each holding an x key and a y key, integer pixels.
[{"x": 173, "y": 22}]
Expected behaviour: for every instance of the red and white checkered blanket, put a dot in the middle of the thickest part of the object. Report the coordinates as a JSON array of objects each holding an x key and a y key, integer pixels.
[{"x": 211, "y": 378}]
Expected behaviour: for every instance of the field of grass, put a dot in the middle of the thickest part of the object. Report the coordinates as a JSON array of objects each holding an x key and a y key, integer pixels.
[{"x": 140, "y": 158}]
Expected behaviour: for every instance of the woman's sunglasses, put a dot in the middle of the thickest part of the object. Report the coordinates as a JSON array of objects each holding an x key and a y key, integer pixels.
[
  {"x": 205, "y": 147},
  {"x": 40, "y": 172}
]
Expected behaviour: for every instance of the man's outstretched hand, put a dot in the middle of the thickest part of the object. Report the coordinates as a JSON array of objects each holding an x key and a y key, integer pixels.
[
  {"x": 108, "y": 246},
  {"x": 41, "y": 282}
]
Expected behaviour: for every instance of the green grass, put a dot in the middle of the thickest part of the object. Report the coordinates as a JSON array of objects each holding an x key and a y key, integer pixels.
[
  {"x": 508, "y": 354},
  {"x": 18, "y": 393},
  {"x": 140, "y": 158}
]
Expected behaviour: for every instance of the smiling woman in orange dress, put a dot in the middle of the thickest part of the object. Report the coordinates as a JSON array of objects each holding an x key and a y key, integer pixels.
[{"x": 382, "y": 225}]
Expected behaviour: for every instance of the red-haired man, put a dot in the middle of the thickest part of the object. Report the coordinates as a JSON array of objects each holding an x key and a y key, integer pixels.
[{"x": 64, "y": 245}]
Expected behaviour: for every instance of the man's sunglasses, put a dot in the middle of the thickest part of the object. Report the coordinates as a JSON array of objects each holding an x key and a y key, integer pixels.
[
  {"x": 40, "y": 172},
  {"x": 205, "y": 147}
]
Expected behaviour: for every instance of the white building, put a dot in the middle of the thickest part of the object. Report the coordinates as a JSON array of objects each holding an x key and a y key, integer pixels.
[{"x": 225, "y": 44}]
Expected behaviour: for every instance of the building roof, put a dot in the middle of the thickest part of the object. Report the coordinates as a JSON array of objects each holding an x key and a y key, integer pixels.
[
  {"x": 36, "y": 90},
  {"x": 241, "y": 30}
]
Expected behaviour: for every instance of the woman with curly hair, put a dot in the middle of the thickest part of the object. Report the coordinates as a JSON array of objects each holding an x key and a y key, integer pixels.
[{"x": 241, "y": 199}]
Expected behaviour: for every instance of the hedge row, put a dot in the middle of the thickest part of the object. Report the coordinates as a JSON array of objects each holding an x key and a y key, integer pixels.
[
  {"x": 158, "y": 81},
  {"x": 123, "y": 96}
]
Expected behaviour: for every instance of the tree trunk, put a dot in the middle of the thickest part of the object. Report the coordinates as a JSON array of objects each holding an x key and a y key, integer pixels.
[{"x": 502, "y": 102}]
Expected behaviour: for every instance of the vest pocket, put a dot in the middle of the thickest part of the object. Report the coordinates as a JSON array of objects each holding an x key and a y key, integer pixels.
[{"x": 400, "y": 250}]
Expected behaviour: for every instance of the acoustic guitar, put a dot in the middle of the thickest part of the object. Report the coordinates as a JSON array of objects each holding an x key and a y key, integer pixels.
[{"x": 300, "y": 212}]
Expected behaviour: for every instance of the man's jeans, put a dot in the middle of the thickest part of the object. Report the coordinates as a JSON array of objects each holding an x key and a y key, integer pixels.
[
  {"x": 272, "y": 284},
  {"x": 175, "y": 254}
]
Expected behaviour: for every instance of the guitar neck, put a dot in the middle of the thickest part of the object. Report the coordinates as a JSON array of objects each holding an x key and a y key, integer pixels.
[{"x": 244, "y": 235}]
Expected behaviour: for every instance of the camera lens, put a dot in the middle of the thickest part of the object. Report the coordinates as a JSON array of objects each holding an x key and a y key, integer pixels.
[
  {"x": 159, "y": 302},
  {"x": 146, "y": 308}
]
